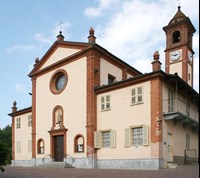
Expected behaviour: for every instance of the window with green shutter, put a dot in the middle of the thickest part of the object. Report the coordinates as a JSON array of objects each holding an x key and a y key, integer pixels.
[
  {"x": 105, "y": 139},
  {"x": 136, "y": 136}
]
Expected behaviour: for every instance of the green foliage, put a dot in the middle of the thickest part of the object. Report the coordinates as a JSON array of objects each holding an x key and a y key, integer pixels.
[{"x": 5, "y": 145}]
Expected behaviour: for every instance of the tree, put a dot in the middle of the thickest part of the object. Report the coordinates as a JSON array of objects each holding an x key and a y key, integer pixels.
[{"x": 5, "y": 145}]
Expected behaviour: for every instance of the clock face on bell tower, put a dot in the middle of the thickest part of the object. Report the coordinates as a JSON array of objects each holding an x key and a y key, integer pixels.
[
  {"x": 179, "y": 52},
  {"x": 175, "y": 55}
]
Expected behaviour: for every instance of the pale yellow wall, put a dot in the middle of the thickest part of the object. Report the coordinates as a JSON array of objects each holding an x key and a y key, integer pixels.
[
  {"x": 72, "y": 100},
  {"x": 178, "y": 138},
  {"x": 23, "y": 134},
  {"x": 121, "y": 116},
  {"x": 59, "y": 54},
  {"x": 108, "y": 68},
  {"x": 176, "y": 68}
]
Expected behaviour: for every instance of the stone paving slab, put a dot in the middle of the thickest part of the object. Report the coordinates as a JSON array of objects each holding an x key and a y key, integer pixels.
[{"x": 191, "y": 171}]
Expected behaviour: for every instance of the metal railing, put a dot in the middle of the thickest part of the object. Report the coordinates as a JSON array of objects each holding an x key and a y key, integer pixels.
[
  {"x": 68, "y": 157},
  {"x": 190, "y": 156},
  {"x": 178, "y": 105},
  {"x": 47, "y": 155}
]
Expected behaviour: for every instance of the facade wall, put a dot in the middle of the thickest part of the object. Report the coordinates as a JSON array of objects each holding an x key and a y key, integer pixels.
[
  {"x": 178, "y": 146},
  {"x": 108, "y": 68},
  {"x": 176, "y": 68},
  {"x": 72, "y": 100},
  {"x": 59, "y": 54},
  {"x": 22, "y": 137},
  {"x": 124, "y": 115}
]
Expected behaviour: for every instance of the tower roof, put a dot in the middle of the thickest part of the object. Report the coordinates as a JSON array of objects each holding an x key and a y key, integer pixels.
[{"x": 178, "y": 18}]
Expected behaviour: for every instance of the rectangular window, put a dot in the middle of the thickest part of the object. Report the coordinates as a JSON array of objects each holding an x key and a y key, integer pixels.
[
  {"x": 187, "y": 141},
  {"x": 18, "y": 144},
  {"x": 111, "y": 79},
  {"x": 30, "y": 120},
  {"x": 29, "y": 146},
  {"x": 105, "y": 103},
  {"x": 171, "y": 101},
  {"x": 18, "y": 124},
  {"x": 188, "y": 109},
  {"x": 137, "y": 95},
  {"x": 137, "y": 136},
  {"x": 105, "y": 139}
]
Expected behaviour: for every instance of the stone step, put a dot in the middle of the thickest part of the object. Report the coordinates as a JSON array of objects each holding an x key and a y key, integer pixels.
[
  {"x": 172, "y": 165},
  {"x": 56, "y": 165}
]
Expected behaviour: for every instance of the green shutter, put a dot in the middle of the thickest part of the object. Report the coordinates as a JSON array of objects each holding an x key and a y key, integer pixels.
[
  {"x": 145, "y": 135},
  {"x": 97, "y": 139},
  {"x": 127, "y": 137},
  {"x": 113, "y": 139}
]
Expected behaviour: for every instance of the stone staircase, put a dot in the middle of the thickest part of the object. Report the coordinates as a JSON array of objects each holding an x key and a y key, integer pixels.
[{"x": 56, "y": 165}]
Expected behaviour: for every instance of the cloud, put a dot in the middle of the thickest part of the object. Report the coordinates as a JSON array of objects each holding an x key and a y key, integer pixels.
[
  {"x": 40, "y": 37},
  {"x": 133, "y": 31},
  {"x": 93, "y": 12},
  {"x": 22, "y": 48},
  {"x": 41, "y": 40},
  {"x": 134, "y": 35}
]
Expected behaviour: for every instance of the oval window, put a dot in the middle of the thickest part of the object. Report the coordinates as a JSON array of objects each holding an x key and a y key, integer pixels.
[{"x": 58, "y": 82}]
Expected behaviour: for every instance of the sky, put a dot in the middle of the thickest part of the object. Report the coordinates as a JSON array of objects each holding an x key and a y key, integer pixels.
[{"x": 130, "y": 29}]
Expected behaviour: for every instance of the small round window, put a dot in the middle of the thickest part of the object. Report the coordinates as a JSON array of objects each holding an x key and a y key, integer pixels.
[{"x": 58, "y": 82}]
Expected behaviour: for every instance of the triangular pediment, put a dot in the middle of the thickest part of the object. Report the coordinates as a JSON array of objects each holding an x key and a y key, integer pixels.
[
  {"x": 60, "y": 53},
  {"x": 57, "y": 52}
]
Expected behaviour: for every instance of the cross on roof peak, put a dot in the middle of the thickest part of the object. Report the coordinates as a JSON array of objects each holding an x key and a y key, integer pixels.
[{"x": 60, "y": 24}]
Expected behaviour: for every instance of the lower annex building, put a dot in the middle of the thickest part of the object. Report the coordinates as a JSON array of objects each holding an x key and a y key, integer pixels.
[{"x": 92, "y": 110}]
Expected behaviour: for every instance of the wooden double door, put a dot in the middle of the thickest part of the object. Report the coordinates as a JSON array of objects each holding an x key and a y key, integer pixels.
[{"x": 59, "y": 148}]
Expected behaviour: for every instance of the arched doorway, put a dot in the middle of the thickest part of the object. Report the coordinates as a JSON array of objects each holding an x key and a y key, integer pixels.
[{"x": 58, "y": 135}]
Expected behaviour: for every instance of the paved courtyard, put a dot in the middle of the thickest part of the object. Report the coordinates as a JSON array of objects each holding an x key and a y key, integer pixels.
[{"x": 27, "y": 172}]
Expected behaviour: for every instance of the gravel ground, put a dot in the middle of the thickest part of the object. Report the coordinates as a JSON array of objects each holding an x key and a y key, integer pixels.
[{"x": 190, "y": 171}]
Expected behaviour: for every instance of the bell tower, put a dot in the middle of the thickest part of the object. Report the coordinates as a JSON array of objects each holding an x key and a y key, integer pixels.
[{"x": 179, "y": 51}]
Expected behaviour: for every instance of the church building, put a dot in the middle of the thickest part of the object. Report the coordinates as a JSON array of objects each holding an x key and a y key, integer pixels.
[{"x": 91, "y": 109}]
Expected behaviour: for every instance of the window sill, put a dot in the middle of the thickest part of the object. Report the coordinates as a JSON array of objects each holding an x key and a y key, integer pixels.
[
  {"x": 105, "y": 147},
  {"x": 105, "y": 110},
  {"x": 137, "y": 104}
]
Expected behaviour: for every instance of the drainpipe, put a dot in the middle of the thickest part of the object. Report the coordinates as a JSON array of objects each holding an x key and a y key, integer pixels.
[{"x": 176, "y": 96}]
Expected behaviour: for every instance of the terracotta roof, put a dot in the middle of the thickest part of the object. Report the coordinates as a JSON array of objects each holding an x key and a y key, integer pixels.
[
  {"x": 21, "y": 111},
  {"x": 171, "y": 79}
]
